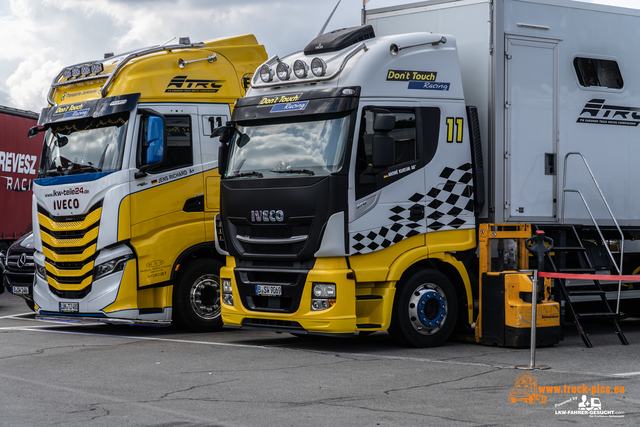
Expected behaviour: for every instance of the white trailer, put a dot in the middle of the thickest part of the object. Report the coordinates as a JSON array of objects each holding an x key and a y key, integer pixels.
[{"x": 549, "y": 77}]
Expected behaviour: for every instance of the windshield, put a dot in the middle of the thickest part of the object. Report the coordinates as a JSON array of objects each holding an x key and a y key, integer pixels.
[
  {"x": 84, "y": 146},
  {"x": 315, "y": 146}
]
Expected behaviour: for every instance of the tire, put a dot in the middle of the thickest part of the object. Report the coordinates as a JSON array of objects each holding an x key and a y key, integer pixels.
[
  {"x": 31, "y": 304},
  {"x": 196, "y": 298},
  {"x": 413, "y": 327}
]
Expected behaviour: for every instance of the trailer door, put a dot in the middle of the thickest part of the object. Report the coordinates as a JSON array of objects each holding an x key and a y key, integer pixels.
[{"x": 531, "y": 124}]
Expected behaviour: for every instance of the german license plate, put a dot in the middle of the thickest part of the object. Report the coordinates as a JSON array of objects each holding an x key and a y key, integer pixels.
[
  {"x": 20, "y": 290},
  {"x": 69, "y": 307},
  {"x": 269, "y": 290}
]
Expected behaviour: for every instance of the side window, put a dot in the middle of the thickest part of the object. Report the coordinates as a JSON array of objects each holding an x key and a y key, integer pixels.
[
  {"x": 598, "y": 73},
  {"x": 179, "y": 144},
  {"x": 406, "y": 148}
]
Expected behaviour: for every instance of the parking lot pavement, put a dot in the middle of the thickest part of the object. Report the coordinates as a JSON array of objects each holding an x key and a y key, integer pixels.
[{"x": 53, "y": 374}]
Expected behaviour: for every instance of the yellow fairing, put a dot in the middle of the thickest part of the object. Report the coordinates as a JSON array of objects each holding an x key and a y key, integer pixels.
[
  {"x": 365, "y": 303},
  {"x": 158, "y": 77},
  {"x": 161, "y": 230}
]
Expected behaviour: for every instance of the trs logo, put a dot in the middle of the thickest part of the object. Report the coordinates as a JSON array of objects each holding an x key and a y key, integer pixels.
[
  {"x": 597, "y": 112},
  {"x": 182, "y": 84}
]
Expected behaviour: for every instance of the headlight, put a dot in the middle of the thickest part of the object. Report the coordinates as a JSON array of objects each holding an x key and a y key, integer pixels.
[
  {"x": 96, "y": 68},
  {"x": 300, "y": 69},
  {"x": 66, "y": 73},
  {"x": 75, "y": 71},
  {"x": 41, "y": 271},
  {"x": 266, "y": 73},
  {"x": 318, "y": 67},
  {"x": 227, "y": 296},
  {"x": 324, "y": 290},
  {"x": 283, "y": 71},
  {"x": 323, "y": 296},
  {"x": 85, "y": 69},
  {"x": 110, "y": 267}
]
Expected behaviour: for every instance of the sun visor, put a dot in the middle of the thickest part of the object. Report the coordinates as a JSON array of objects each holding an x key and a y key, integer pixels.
[
  {"x": 93, "y": 108},
  {"x": 339, "y": 39}
]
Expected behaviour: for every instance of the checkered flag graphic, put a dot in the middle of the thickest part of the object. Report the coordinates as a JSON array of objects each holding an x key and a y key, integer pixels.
[
  {"x": 451, "y": 199},
  {"x": 401, "y": 228}
]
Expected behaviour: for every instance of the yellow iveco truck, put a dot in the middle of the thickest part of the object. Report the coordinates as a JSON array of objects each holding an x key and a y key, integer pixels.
[{"x": 127, "y": 189}]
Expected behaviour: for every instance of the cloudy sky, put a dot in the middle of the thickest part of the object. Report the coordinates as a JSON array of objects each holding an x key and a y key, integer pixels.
[{"x": 43, "y": 36}]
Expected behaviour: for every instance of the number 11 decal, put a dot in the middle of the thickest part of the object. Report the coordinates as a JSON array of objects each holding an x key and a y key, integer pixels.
[{"x": 454, "y": 129}]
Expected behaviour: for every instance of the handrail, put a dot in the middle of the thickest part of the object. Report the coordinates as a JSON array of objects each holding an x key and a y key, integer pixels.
[
  {"x": 586, "y": 205},
  {"x": 346, "y": 59}
]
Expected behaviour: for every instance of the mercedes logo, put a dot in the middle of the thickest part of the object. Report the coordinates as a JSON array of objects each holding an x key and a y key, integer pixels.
[{"x": 22, "y": 260}]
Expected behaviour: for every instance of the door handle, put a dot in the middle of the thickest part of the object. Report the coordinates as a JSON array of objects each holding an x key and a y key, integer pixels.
[{"x": 416, "y": 213}]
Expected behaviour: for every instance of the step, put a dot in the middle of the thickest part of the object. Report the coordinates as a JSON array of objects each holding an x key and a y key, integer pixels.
[
  {"x": 595, "y": 315},
  {"x": 576, "y": 270},
  {"x": 586, "y": 292},
  {"x": 567, "y": 248}
]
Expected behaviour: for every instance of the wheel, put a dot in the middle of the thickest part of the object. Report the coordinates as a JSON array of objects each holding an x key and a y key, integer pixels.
[
  {"x": 425, "y": 310},
  {"x": 196, "y": 299}
]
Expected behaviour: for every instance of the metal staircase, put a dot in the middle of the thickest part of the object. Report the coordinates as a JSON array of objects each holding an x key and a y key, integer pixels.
[
  {"x": 571, "y": 256},
  {"x": 584, "y": 299}
]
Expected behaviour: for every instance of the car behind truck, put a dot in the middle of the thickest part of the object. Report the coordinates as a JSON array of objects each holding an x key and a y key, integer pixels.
[
  {"x": 360, "y": 175},
  {"x": 127, "y": 188}
]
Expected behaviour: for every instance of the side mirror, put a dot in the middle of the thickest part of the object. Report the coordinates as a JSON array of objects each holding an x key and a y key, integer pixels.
[
  {"x": 223, "y": 154},
  {"x": 155, "y": 140},
  {"x": 383, "y": 145},
  {"x": 384, "y": 123},
  {"x": 33, "y": 132},
  {"x": 225, "y": 133}
]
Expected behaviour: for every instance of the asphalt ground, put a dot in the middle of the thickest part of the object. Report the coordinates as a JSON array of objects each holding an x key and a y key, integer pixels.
[{"x": 98, "y": 375}]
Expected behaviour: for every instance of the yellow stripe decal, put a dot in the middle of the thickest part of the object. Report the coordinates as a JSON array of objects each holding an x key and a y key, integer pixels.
[
  {"x": 70, "y": 287},
  {"x": 91, "y": 219},
  {"x": 69, "y": 273},
  {"x": 48, "y": 253},
  {"x": 68, "y": 243}
]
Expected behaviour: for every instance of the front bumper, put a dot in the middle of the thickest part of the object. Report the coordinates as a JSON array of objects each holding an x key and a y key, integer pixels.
[{"x": 340, "y": 319}]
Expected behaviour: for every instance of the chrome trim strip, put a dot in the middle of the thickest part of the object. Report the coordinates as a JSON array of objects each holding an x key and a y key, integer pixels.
[{"x": 294, "y": 239}]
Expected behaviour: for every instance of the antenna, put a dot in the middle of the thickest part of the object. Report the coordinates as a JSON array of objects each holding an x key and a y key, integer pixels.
[
  {"x": 168, "y": 41},
  {"x": 328, "y": 19}
]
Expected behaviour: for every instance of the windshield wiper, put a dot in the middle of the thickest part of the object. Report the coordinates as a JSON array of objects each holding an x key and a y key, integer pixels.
[
  {"x": 84, "y": 169},
  {"x": 307, "y": 171},
  {"x": 240, "y": 175}
]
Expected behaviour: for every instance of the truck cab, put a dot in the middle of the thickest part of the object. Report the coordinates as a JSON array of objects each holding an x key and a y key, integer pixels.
[
  {"x": 127, "y": 188},
  {"x": 347, "y": 191}
]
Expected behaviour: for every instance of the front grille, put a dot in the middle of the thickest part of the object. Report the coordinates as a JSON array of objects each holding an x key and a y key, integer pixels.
[
  {"x": 266, "y": 263},
  {"x": 71, "y": 294},
  {"x": 69, "y": 245},
  {"x": 13, "y": 261},
  {"x": 271, "y": 249}
]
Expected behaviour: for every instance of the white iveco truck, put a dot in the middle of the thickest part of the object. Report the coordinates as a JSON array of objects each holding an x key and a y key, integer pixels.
[{"x": 354, "y": 181}]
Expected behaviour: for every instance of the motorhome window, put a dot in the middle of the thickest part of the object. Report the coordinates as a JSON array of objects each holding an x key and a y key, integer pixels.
[
  {"x": 598, "y": 73},
  {"x": 84, "y": 146},
  {"x": 294, "y": 146},
  {"x": 179, "y": 144}
]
